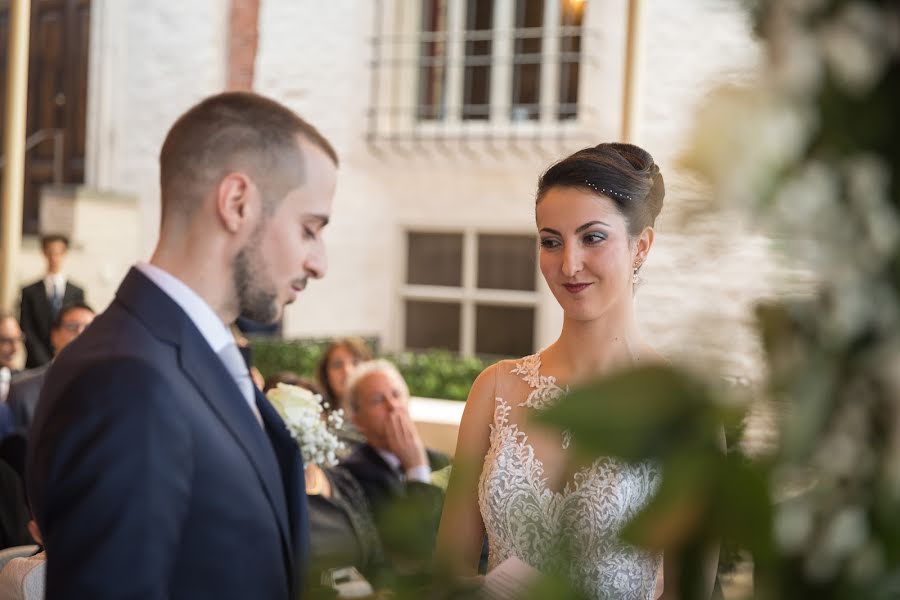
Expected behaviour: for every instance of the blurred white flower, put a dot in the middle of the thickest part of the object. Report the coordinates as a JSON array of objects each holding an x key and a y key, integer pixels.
[
  {"x": 302, "y": 413},
  {"x": 855, "y": 46},
  {"x": 798, "y": 68},
  {"x": 742, "y": 140},
  {"x": 806, "y": 207},
  {"x": 868, "y": 185},
  {"x": 793, "y": 525},
  {"x": 847, "y": 532}
]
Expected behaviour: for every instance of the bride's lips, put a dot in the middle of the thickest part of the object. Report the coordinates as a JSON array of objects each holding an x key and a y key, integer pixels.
[{"x": 575, "y": 288}]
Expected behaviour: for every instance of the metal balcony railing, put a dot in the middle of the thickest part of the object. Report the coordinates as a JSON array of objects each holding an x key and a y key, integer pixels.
[{"x": 39, "y": 137}]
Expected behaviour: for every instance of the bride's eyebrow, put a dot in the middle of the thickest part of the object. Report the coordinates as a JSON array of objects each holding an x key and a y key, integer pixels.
[{"x": 591, "y": 224}]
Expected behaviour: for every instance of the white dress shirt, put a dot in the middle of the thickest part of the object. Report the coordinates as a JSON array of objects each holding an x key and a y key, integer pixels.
[
  {"x": 55, "y": 282},
  {"x": 23, "y": 578},
  {"x": 5, "y": 378},
  {"x": 213, "y": 329},
  {"x": 422, "y": 473}
]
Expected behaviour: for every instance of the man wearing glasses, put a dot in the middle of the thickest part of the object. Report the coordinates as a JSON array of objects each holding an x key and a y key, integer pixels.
[
  {"x": 26, "y": 387},
  {"x": 10, "y": 341}
]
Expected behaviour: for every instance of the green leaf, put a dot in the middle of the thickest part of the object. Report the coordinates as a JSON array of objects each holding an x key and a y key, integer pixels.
[{"x": 644, "y": 413}]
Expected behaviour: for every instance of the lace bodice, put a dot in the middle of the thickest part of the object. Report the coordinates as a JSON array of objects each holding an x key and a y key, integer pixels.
[{"x": 573, "y": 532}]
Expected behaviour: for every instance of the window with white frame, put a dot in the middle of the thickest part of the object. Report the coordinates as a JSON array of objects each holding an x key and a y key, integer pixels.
[
  {"x": 477, "y": 66},
  {"x": 470, "y": 292},
  {"x": 515, "y": 60}
]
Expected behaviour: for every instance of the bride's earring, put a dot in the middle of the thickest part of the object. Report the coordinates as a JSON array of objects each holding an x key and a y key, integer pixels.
[{"x": 635, "y": 277}]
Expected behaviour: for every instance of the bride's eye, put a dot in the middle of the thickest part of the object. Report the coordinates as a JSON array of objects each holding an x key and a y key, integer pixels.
[
  {"x": 549, "y": 243},
  {"x": 594, "y": 238}
]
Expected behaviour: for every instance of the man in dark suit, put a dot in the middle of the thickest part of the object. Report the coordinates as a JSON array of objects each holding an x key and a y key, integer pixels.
[
  {"x": 42, "y": 300},
  {"x": 10, "y": 343},
  {"x": 26, "y": 386},
  {"x": 155, "y": 468},
  {"x": 393, "y": 467}
]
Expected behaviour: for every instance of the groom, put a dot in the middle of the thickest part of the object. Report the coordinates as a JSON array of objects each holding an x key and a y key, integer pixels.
[{"x": 157, "y": 470}]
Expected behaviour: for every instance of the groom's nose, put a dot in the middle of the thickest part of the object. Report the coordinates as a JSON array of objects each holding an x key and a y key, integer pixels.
[{"x": 316, "y": 263}]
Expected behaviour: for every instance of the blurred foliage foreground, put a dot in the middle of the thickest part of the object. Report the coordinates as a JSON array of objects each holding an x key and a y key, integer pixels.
[{"x": 811, "y": 150}]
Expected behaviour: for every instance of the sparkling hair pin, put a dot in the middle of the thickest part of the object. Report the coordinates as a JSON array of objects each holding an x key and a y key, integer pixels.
[{"x": 607, "y": 192}]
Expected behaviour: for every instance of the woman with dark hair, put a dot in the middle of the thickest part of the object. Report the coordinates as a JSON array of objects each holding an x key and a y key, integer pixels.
[
  {"x": 340, "y": 359},
  {"x": 527, "y": 489}
]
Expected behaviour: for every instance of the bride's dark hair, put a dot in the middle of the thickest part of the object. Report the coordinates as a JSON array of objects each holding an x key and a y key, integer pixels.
[{"x": 624, "y": 173}]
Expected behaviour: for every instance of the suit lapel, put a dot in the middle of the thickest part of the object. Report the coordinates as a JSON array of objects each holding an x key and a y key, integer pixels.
[
  {"x": 42, "y": 307},
  {"x": 216, "y": 385},
  {"x": 390, "y": 475},
  {"x": 290, "y": 463},
  {"x": 222, "y": 394},
  {"x": 68, "y": 294}
]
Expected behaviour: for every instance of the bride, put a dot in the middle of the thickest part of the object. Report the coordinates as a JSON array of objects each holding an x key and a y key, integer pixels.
[{"x": 524, "y": 486}]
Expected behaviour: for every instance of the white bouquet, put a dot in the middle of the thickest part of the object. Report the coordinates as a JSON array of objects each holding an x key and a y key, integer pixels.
[{"x": 302, "y": 413}]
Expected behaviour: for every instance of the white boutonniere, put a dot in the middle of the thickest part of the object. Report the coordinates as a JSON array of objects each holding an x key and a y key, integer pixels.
[{"x": 302, "y": 412}]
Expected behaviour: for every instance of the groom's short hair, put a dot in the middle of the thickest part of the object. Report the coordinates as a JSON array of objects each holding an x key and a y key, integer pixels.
[
  {"x": 228, "y": 132},
  {"x": 363, "y": 370}
]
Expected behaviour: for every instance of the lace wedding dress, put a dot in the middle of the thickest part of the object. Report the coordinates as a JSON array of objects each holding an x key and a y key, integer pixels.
[{"x": 574, "y": 532}]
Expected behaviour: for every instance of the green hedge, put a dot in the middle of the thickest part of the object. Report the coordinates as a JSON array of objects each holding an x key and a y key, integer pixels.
[{"x": 431, "y": 374}]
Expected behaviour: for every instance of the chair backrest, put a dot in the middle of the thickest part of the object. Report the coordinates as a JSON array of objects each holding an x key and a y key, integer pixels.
[{"x": 7, "y": 554}]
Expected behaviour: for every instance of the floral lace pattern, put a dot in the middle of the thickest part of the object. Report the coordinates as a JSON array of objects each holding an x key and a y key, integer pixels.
[{"x": 573, "y": 532}]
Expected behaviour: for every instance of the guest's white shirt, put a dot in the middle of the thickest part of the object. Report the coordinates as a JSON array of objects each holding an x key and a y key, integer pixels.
[
  {"x": 211, "y": 327},
  {"x": 421, "y": 473},
  {"x": 5, "y": 378},
  {"x": 55, "y": 282},
  {"x": 24, "y": 578}
]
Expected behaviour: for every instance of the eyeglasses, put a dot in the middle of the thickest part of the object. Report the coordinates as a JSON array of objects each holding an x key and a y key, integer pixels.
[
  {"x": 74, "y": 327},
  {"x": 12, "y": 340}
]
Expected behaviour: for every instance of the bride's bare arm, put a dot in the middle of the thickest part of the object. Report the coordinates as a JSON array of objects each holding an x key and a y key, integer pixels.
[{"x": 461, "y": 530}]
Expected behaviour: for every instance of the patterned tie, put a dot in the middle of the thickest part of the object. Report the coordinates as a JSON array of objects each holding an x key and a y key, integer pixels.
[
  {"x": 55, "y": 300},
  {"x": 234, "y": 362}
]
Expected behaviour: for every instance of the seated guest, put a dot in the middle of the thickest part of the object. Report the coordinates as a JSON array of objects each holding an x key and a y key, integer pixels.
[
  {"x": 393, "y": 466},
  {"x": 340, "y": 360},
  {"x": 341, "y": 528},
  {"x": 23, "y": 578},
  {"x": 13, "y": 510},
  {"x": 10, "y": 341},
  {"x": 13, "y": 450},
  {"x": 25, "y": 390}
]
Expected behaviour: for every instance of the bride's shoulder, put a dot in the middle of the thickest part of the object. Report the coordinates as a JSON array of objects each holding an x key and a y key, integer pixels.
[
  {"x": 650, "y": 356},
  {"x": 492, "y": 380}
]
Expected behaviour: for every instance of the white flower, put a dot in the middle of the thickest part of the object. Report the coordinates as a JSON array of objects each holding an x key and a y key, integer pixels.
[
  {"x": 302, "y": 413},
  {"x": 856, "y": 46}
]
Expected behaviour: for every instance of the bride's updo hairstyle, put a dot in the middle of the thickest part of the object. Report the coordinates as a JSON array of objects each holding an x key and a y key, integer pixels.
[{"x": 623, "y": 173}]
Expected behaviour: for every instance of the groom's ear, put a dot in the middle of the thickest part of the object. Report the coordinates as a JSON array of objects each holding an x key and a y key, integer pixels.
[{"x": 236, "y": 201}]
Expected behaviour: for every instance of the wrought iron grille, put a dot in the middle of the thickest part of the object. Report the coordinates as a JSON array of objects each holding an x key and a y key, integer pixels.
[{"x": 478, "y": 69}]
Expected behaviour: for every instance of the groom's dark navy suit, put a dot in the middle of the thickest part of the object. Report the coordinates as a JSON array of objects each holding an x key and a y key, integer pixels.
[{"x": 149, "y": 474}]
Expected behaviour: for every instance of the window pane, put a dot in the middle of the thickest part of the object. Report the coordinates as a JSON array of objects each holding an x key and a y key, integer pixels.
[
  {"x": 432, "y": 59},
  {"x": 432, "y": 325},
  {"x": 434, "y": 259},
  {"x": 504, "y": 330},
  {"x": 571, "y": 15},
  {"x": 526, "y": 90},
  {"x": 477, "y": 73},
  {"x": 507, "y": 262}
]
